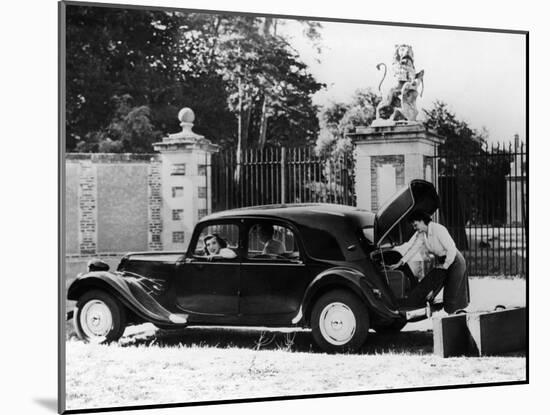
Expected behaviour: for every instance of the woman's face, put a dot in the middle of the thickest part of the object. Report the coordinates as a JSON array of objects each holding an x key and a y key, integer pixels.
[
  {"x": 213, "y": 246},
  {"x": 419, "y": 226}
]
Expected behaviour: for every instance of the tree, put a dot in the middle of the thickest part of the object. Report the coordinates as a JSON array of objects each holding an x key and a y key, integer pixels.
[
  {"x": 338, "y": 119},
  {"x": 152, "y": 57},
  {"x": 269, "y": 88},
  {"x": 232, "y": 70},
  {"x": 460, "y": 138},
  {"x": 466, "y": 164}
]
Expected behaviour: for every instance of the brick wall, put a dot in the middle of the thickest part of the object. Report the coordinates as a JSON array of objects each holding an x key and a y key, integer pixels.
[
  {"x": 87, "y": 204},
  {"x": 112, "y": 204},
  {"x": 154, "y": 186}
]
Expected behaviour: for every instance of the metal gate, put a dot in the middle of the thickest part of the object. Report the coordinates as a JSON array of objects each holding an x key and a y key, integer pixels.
[
  {"x": 280, "y": 175},
  {"x": 484, "y": 206}
]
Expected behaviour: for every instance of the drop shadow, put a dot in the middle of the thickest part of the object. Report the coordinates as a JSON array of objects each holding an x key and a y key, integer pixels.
[{"x": 48, "y": 403}]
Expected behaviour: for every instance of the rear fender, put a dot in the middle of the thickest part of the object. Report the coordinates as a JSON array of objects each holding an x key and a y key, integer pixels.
[
  {"x": 129, "y": 291},
  {"x": 343, "y": 277}
]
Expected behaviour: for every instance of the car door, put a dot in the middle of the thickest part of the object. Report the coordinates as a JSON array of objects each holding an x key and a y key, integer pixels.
[
  {"x": 272, "y": 284},
  {"x": 210, "y": 286}
]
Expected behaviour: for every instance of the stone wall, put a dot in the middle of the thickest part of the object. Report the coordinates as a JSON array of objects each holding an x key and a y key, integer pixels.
[
  {"x": 122, "y": 206},
  {"x": 112, "y": 206},
  {"x": 109, "y": 205}
]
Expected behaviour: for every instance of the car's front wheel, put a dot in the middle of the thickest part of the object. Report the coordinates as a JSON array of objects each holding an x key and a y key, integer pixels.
[
  {"x": 339, "y": 322},
  {"x": 99, "y": 317}
]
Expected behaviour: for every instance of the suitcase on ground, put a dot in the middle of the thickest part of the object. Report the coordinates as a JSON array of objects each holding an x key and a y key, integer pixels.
[
  {"x": 497, "y": 332},
  {"x": 451, "y": 337},
  {"x": 481, "y": 334}
]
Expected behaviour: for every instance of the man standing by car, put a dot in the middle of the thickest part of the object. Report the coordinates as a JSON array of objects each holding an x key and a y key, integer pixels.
[{"x": 450, "y": 270}]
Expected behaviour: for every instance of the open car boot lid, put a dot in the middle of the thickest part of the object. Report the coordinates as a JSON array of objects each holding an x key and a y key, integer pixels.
[{"x": 391, "y": 219}]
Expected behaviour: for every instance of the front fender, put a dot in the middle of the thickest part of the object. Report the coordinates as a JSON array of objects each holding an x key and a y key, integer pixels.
[
  {"x": 129, "y": 291},
  {"x": 351, "y": 279}
]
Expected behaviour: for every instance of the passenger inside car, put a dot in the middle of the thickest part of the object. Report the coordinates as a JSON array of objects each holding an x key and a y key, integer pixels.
[
  {"x": 216, "y": 247},
  {"x": 267, "y": 241},
  {"x": 271, "y": 246}
]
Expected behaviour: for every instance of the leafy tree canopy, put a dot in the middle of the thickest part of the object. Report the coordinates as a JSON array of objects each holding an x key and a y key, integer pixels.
[
  {"x": 130, "y": 71},
  {"x": 338, "y": 119},
  {"x": 460, "y": 137}
]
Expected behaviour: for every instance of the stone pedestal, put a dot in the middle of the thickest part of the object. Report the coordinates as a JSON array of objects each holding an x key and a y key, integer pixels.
[
  {"x": 388, "y": 157},
  {"x": 185, "y": 182},
  {"x": 516, "y": 188}
]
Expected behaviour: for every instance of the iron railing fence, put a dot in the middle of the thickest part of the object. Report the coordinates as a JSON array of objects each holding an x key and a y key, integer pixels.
[
  {"x": 278, "y": 176},
  {"x": 484, "y": 206},
  {"x": 483, "y": 194}
]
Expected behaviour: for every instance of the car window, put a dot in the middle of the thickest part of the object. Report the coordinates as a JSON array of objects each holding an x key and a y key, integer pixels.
[
  {"x": 270, "y": 241},
  {"x": 321, "y": 244},
  {"x": 226, "y": 234}
]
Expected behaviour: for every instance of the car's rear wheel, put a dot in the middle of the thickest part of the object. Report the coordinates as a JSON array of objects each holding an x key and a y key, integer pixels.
[
  {"x": 99, "y": 317},
  {"x": 339, "y": 322}
]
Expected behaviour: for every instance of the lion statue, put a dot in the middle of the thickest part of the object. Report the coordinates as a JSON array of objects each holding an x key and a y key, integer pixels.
[
  {"x": 407, "y": 110},
  {"x": 408, "y": 83}
]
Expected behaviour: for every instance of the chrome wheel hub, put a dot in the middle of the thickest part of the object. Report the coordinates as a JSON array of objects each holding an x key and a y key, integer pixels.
[
  {"x": 96, "y": 320},
  {"x": 337, "y": 323}
]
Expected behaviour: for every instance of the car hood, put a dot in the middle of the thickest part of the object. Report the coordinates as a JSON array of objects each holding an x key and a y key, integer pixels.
[{"x": 391, "y": 218}]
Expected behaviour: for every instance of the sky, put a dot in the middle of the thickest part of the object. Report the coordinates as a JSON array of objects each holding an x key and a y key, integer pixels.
[{"x": 480, "y": 75}]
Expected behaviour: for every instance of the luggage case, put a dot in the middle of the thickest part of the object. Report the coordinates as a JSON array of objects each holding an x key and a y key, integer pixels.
[
  {"x": 398, "y": 283},
  {"x": 498, "y": 332},
  {"x": 481, "y": 334},
  {"x": 451, "y": 337}
]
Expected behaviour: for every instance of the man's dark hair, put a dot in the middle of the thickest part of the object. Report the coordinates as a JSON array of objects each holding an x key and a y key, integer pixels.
[
  {"x": 419, "y": 215},
  {"x": 266, "y": 230}
]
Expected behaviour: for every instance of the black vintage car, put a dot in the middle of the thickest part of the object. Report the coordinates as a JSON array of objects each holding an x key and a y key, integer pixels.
[{"x": 325, "y": 269}]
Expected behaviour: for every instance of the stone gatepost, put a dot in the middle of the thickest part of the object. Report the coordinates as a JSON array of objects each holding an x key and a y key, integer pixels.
[
  {"x": 185, "y": 182},
  {"x": 516, "y": 187},
  {"x": 388, "y": 157}
]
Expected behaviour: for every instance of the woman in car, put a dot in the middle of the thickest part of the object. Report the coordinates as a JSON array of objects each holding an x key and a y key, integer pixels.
[
  {"x": 216, "y": 247},
  {"x": 450, "y": 270}
]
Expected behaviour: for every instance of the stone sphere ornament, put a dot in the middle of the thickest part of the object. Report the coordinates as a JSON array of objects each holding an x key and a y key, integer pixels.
[{"x": 186, "y": 115}]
